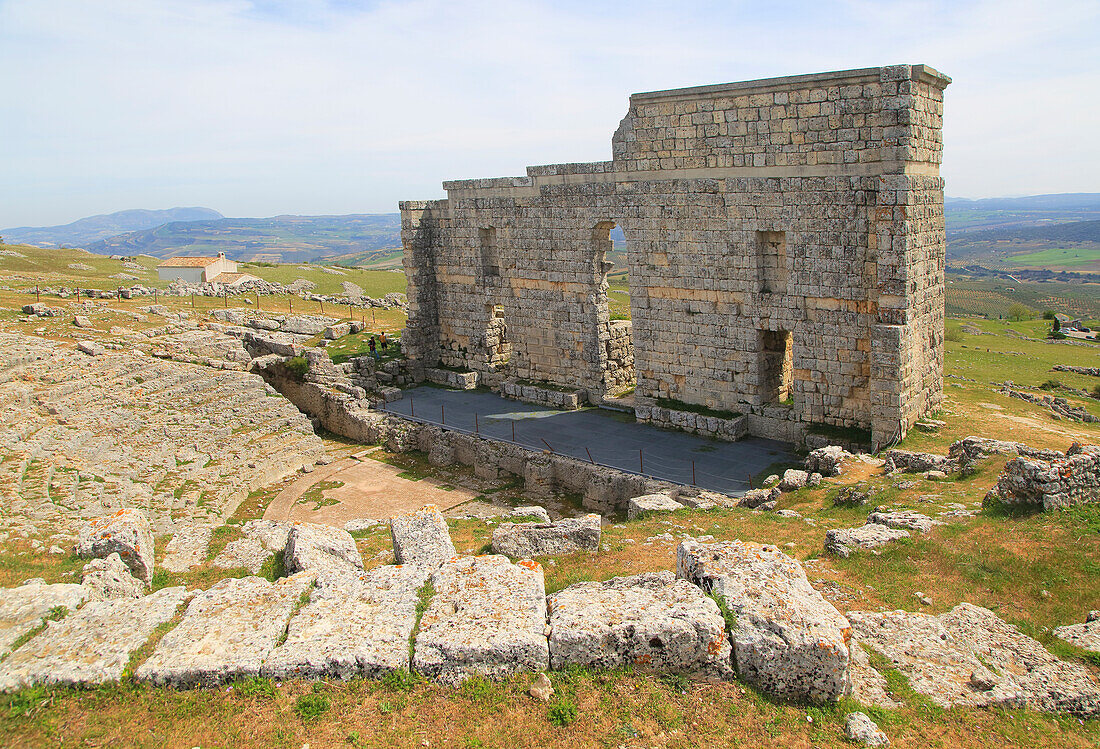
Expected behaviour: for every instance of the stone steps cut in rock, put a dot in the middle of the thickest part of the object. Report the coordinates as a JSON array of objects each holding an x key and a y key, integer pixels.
[
  {"x": 487, "y": 617},
  {"x": 787, "y": 639},
  {"x": 227, "y": 631}
]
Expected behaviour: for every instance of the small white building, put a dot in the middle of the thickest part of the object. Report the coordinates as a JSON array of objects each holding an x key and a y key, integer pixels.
[{"x": 196, "y": 269}]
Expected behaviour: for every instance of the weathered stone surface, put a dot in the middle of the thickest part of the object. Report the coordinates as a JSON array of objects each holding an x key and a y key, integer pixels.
[
  {"x": 905, "y": 519},
  {"x": 827, "y": 460},
  {"x": 636, "y": 506},
  {"x": 82, "y": 321},
  {"x": 755, "y": 498},
  {"x": 869, "y": 687},
  {"x": 531, "y": 511},
  {"x": 91, "y": 348},
  {"x": 859, "y": 727},
  {"x": 488, "y": 617},
  {"x": 126, "y": 532},
  {"x": 911, "y": 462},
  {"x": 793, "y": 479},
  {"x": 1086, "y": 635},
  {"x": 303, "y": 325},
  {"x": 354, "y": 625},
  {"x": 1064, "y": 481},
  {"x": 261, "y": 540},
  {"x": 650, "y": 621},
  {"x": 227, "y": 631},
  {"x": 969, "y": 656},
  {"x": 565, "y": 536},
  {"x": 187, "y": 548},
  {"x": 110, "y": 578},
  {"x": 843, "y": 541},
  {"x": 787, "y": 639},
  {"x": 421, "y": 537},
  {"x": 92, "y": 645},
  {"x": 321, "y": 549},
  {"x": 26, "y": 607}
]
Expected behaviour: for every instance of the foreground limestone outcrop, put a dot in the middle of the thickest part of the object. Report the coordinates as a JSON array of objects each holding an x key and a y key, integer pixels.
[
  {"x": 651, "y": 621},
  {"x": 1085, "y": 635},
  {"x": 227, "y": 631},
  {"x": 487, "y": 617},
  {"x": 26, "y": 607},
  {"x": 421, "y": 537},
  {"x": 787, "y": 639},
  {"x": 323, "y": 550},
  {"x": 843, "y": 541},
  {"x": 93, "y": 645},
  {"x": 566, "y": 536},
  {"x": 126, "y": 533},
  {"x": 970, "y": 657},
  {"x": 110, "y": 578},
  {"x": 355, "y": 625}
]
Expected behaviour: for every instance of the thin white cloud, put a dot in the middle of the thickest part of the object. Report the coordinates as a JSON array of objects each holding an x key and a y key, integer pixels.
[{"x": 257, "y": 108}]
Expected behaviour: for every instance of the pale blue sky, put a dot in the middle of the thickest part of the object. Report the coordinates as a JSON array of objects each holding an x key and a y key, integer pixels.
[{"x": 261, "y": 107}]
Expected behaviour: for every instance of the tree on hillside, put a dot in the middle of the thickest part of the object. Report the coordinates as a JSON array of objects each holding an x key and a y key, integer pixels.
[
  {"x": 1018, "y": 312},
  {"x": 1057, "y": 325}
]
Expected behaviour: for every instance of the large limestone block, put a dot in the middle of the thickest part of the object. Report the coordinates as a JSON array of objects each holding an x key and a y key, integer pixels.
[
  {"x": 322, "y": 549},
  {"x": 787, "y": 639},
  {"x": 357, "y": 625},
  {"x": 261, "y": 540},
  {"x": 126, "y": 532},
  {"x": 187, "y": 548},
  {"x": 970, "y": 657},
  {"x": 566, "y": 536},
  {"x": 93, "y": 645},
  {"x": 110, "y": 578},
  {"x": 227, "y": 631},
  {"x": 903, "y": 519},
  {"x": 1085, "y": 635},
  {"x": 488, "y": 617},
  {"x": 24, "y": 608},
  {"x": 827, "y": 460},
  {"x": 651, "y": 621},
  {"x": 421, "y": 537},
  {"x": 637, "y": 506},
  {"x": 843, "y": 541}
]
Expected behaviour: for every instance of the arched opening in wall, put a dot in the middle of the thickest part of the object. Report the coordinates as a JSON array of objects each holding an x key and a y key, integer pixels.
[{"x": 615, "y": 331}]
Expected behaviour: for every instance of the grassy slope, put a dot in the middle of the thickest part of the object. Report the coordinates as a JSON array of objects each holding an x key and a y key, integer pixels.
[{"x": 1087, "y": 258}]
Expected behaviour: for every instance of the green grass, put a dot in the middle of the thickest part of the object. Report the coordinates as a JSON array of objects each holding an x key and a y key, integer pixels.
[
  {"x": 1057, "y": 258},
  {"x": 696, "y": 408}
]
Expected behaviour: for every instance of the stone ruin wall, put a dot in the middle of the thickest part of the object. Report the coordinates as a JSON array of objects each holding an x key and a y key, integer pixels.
[{"x": 787, "y": 224}]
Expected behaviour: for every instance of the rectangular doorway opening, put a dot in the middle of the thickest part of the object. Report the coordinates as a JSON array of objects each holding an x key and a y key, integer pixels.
[{"x": 776, "y": 366}]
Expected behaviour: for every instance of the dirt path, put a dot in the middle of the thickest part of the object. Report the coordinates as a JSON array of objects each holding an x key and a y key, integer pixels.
[{"x": 371, "y": 489}]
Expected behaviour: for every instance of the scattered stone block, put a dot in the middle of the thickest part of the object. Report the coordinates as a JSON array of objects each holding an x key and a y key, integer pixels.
[
  {"x": 637, "y": 506},
  {"x": 421, "y": 537},
  {"x": 321, "y": 549},
  {"x": 1086, "y": 636},
  {"x": 227, "y": 632},
  {"x": 82, "y": 321},
  {"x": 187, "y": 548},
  {"x": 755, "y": 498},
  {"x": 941, "y": 656},
  {"x": 125, "y": 532},
  {"x": 905, "y": 520},
  {"x": 360, "y": 524},
  {"x": 565, "y": 536},
  {"x": 787, "y": 639},
  {"x": 26, "y": 607},
  {"x": 531, "y": 511},
  {"x": 843, "y": 541},
  {"x": 851, "y": 496},
  {"x": 793, "y": 479},
  {"x": 91, "y": 348},
  {"x": 110, "y": 578},
  {"x": 859, "y": 727},
  {"x": 650, "y": 621},
  {"x": 488, "y": 618},
  {"x": 93, "y": 645},
  {"x": 354, "y": 625},
  {"x": 332, "y": 332},
  {"x": 827, "y": 460},
  {"x": 262, "y": 540}
]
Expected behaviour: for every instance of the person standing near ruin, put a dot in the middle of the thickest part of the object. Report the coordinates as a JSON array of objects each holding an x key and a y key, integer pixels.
[
  {"x": 373, "y": 346},
  {"x": 384, "y": 341}
]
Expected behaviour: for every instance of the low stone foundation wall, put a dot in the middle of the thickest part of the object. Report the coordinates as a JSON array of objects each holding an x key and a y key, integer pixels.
[
  {"x": 729, "y": 430},
  {"x": 450, "y": 378},
  {"x": 569, "y": 401},
  {"x": 1054, "y": 484}
]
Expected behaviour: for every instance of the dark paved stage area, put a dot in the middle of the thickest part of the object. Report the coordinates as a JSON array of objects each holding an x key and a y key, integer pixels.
[{"x": 612, "y": 438}]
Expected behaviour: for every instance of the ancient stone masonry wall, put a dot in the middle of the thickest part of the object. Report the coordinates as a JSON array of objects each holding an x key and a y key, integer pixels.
[{"x": 785, "y": 249}]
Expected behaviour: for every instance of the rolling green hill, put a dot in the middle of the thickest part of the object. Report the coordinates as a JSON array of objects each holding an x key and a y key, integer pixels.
[{"x": 95, "y": 228}]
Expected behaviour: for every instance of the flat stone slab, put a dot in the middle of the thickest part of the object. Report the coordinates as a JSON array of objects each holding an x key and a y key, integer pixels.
[
  {"x": 970, "y": 657},
  {"x": 1086, "y": 635},
  {"x": 903, "y": 520},
  {"x": 787, "y": 640},
  {"x": 843, "y": 541},
  {"x": 323, "y": 550},
  {"x": 487, "y": 617},
  {"x": 24, "y": 608},
  {"x": 421, "y": 537},
  {"x": 92, "y": 645},
  {"x": 358, "y": 625},
  {"x": 261, "y": 540},
  {"x": 650, "y": 621},
  {"x": 227, "y": 631},
  {"x": 566, "y": 536},
  {"x": 187, "y": 548},
  {"x": 637, "y": 506}
]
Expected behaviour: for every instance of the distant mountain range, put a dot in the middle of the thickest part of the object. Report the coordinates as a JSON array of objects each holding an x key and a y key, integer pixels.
[
  {"x": 93, "y": 228},
  {"x": 286, "y": 239}
]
